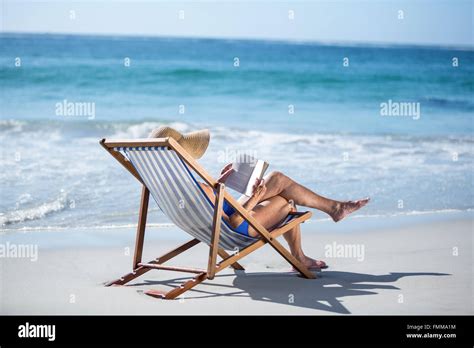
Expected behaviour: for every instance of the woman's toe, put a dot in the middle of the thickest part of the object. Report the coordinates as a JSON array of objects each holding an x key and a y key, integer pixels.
[{"x": 320, "y": 264}]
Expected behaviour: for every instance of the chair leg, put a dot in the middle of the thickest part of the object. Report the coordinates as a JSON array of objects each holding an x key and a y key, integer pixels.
[
  {"x": 142, "y": 215},
  {"x": 175, "y": 292},
  {"x": 224, "y": 255},
  {"x": 277, "y": 246},
  {"x": 270, "y": 238},
  {"x": 216, "y": 230},
  {"x": 228, "y": 261},
  {"x": 305, "y": 272},
  {"x": 159, "y": 260}
]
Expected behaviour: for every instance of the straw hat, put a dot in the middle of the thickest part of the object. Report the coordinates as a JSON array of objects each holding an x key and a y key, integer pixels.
[{"x": 195, "y": 143}]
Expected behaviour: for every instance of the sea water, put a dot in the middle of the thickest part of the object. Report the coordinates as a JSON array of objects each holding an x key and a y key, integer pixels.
[{"x": 392, "y": 123}]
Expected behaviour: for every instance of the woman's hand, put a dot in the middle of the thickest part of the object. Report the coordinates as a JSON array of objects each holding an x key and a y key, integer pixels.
[
  {"x": 225, "y": 172},
  {"x": 226, "y": 168},
  {"x": 259, "y": 189}
]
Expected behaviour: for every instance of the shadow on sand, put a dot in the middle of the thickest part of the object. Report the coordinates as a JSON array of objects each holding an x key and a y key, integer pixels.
[{"x": 325, "y": 293}]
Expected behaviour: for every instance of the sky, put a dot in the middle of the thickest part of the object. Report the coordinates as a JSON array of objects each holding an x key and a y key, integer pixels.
[{"x": 418, "y": 22}]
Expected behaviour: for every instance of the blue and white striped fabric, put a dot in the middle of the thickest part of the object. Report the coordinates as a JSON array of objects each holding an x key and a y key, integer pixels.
[{"x": 179, "y": 195}]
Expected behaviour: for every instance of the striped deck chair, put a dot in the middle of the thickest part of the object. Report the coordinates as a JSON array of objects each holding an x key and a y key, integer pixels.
[{"x": 168, "y": 172}]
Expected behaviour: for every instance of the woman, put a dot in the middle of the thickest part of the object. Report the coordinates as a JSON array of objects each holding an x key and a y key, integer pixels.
[{"x": 272, "y": 199}]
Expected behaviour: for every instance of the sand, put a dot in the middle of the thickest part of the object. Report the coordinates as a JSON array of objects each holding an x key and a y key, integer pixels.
[{"x": 417, "y": 269}]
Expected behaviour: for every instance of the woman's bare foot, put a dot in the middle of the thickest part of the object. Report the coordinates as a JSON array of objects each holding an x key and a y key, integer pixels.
[
  {"x": 345, "y": 208},
  {"x": 312, "y": 264}
]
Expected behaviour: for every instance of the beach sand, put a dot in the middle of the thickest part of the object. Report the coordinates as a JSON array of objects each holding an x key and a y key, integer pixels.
[{"x": 404, "y": 270}]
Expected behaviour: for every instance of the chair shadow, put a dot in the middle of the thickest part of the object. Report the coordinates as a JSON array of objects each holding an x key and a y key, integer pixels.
[{"x": 324, "y": 293}]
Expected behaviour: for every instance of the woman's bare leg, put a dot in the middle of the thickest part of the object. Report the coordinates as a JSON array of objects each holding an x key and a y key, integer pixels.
[
  {"x": 279, "y": 184},
  {"x": 293, "y": 238},
  {"x": 272, "y": 211}
]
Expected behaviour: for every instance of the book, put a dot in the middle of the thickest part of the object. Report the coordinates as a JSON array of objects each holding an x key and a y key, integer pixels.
[{"x": 246, "y": 170}]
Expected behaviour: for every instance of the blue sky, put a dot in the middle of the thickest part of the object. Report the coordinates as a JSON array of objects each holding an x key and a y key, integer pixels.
[{"x": 433, "y": 22}]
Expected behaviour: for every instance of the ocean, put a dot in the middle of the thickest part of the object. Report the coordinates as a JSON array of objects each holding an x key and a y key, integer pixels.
[{"x": 392, "y": 123}]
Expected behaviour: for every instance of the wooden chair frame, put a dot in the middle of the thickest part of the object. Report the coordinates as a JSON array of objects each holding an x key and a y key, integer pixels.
[{"x": 139, "y": 268}]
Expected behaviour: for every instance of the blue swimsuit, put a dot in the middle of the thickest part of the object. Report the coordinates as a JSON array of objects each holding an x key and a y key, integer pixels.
[{"x": 243, "y": 228}]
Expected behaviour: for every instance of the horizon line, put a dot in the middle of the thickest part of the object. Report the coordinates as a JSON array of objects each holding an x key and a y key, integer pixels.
[{"x": 339, "y": 43}]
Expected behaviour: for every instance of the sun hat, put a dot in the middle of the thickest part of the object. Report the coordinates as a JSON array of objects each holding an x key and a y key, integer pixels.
[{"x": 195, "y": 143}]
